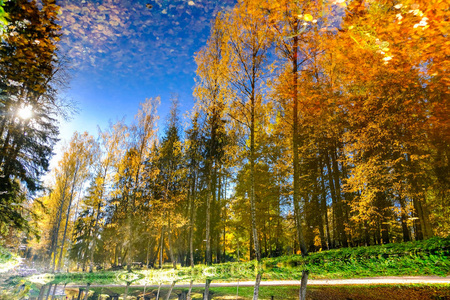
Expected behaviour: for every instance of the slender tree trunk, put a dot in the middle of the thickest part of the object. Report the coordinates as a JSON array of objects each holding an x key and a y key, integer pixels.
[
  {"x": 189, "y": 297},
  {"x": 340, "y": 204},
  {"x": 366, "y": 234},
  {"x": 224, "y": 217},
  {"x": 422, "y": 225},
  {"x": 169, "y": 236},
  {"x": 170, "y": 290},
  {"x": 67, "y": 217},
  {"x": 257, "y": 283},
  {"x": 333, "y": 198},
  {"x": 206, "y": 293},
  {"x": 191, "y": 221},
  {"x": 324, "y": 204},
  {"x": 54, "y": 291},
  {"x": 159, "y": 290},
  {"x": 41, "y": 292},
  {"x": 48, "y": 291},
  {"x": 303, "y": 284},
  {"x": 87, "y": 291},
  {"x": 125, "y": 296},
  {"x": 161, "y": 248},
  {"x": 80, "y": 291},
  {"x": 94, "y": 239},
  {"x": 295, "y": 145},
  {"x": 56, "y": 231},
  {"x": 252, "y": 189},
  {"x": 148, "y": 253},
  {"x": 208, "y": 222}
]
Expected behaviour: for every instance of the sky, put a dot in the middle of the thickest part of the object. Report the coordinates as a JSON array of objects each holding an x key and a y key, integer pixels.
[{"x": 121, "y": 52}]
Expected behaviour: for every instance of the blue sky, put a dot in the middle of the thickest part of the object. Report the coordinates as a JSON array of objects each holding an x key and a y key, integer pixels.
[{"x": 122, "y": 52}]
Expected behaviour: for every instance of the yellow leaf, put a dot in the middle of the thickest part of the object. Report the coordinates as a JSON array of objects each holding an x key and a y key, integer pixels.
[{"x": 308, "y": 17}]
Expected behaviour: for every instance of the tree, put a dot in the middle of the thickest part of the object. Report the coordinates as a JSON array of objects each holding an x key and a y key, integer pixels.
[
  {"x": 54, "y": 209},
  {"x": 248, "y": 41},
  {"x": 290, "y": 23},
  {"x": 82, "y": 150},
  {"x": 29, "y": 70},
  {"x": 193, "y": 158},
  {"x": 111, "y": 144},
  {"x": 172, "y": 173},
  {"x": 210, "y": 92}
]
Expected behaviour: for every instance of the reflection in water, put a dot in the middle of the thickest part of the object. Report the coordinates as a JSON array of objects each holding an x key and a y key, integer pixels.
[
  {"x": 257, "y": 283},
  {"x": 48, "y": 291},
  {"x": 190, "y": 290},
  {"x": 159, "y": 289},
  {"x": 206, "y": 292},
  {"x": 151, "y": 284},
  {"x": 170, "y": 291},
  {"x": 86, "y": 293},
  {"x": 126, "y": 291},
  {"x": 303, "y": 284}
]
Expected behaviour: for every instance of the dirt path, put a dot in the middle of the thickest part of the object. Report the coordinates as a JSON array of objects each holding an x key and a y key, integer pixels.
[{"x": 312, "y": 282}]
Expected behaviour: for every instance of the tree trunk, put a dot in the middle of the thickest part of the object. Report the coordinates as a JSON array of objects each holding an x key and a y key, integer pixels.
[
  {"x": 324, "y": 204},
  {"x": 189, "y": 297},
  {"x": 161, "y": 248},
  {"x": 159, "y": 290},
  {"x": 206, "y": 293},
  {"x": 303, "y": 284},
  {"x": 41, "y": 292},
  {"x": 87, "y": 291},
  {"x": 208, "y": 223},
  {"x": 295, "y": 145},
  {"x": 125, "y": 296},
  {"x": 56, "y": 230},
  {"x": 80, "y": 291},
  {"x": 54, "y": 291},
  {"x": 191, "y": 221},
  {"x": 170, "y": 290},
  {"x": 94, "y": 239},
  {"x": 148, "y": 253},
  {"x": 340, "y": 204},
  {"x": 48, "y": 291},
  {"x": 68, "y": 215},
  {"x": 252, "y": 182},
  {"x": 256, "y": 288},
  {"x": 169, "y": 236}
]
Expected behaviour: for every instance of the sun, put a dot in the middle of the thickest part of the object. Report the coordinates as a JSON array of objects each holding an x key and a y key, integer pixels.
[{"x": 25, "y": 112}]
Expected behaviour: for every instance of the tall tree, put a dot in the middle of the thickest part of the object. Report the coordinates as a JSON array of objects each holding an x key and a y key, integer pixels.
[
  {"x": 172, "y": 173},
  {"x": 82, "y": 150},
  {"x": 143, "y": 134},
  {"x": 248, "y": 39},
  {"x": 29, "y": 72},
  {"x": 111, "y": 147},
  {"x": 210, "y": 93},
  {"x": 193, "y": 158}
]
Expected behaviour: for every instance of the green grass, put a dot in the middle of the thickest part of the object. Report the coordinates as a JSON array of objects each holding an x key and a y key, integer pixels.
[{"x": 430, "y": 257}]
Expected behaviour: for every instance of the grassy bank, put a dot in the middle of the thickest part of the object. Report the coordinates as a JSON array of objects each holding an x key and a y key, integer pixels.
[{"x": 430, "y": 257}]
